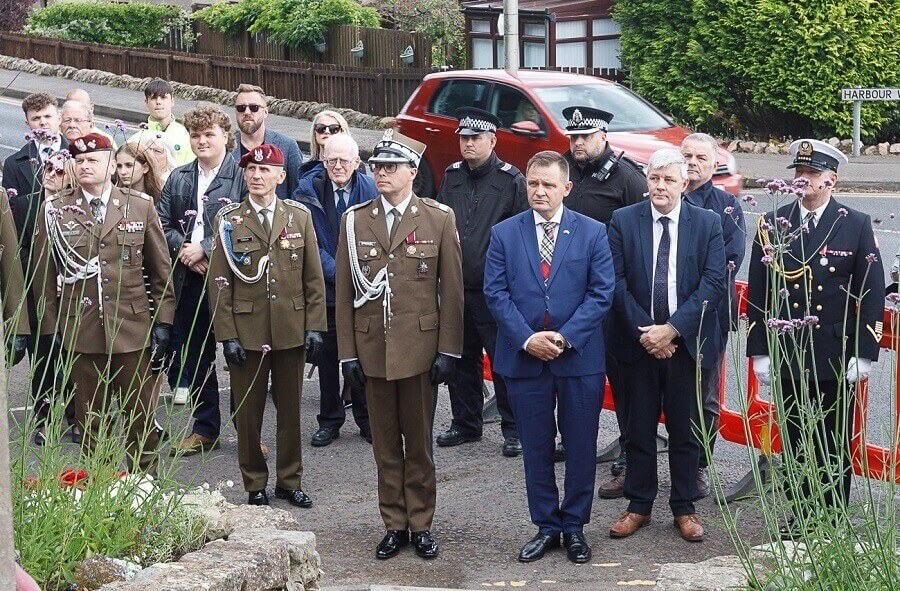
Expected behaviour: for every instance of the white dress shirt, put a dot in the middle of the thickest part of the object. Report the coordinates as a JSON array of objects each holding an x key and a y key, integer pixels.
[
  {"x": 388, "y": 208},
  {"x": 673, "y": 254},
  {"x": 104, "y": 200},
  {"x": 269, "y": 211},
  {"x": 817, "y": 217},
  {"x": 204, "y": 180},
  {"x": 346, "y": 188},
  {"x": 55, "y": 146}
]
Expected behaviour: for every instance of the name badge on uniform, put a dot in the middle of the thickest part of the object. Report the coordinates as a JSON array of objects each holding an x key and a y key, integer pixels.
[
  {"x": 367, "y": 243},
  {"x": 71, "y": 232},
  {"x": 244, "y": 239}
]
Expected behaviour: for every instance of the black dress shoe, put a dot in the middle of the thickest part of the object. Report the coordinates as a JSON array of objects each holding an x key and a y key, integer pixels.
[
  {"x": 454, "y": 436},
  {"x": 258, "y": 497},
  {"x": 424, "y": 544},
  {"x": 577, "y": 548},
  {"x": 790, "y": 531},
  {"x": 537, "y": 547},
  {"x": 559, "y": 454},
  {"x": 366, "y": 434},
  {"x": 325, "y": 435},
  {"x": 39, "y": 438},
  {"x": 297, "y": 498},
  {"x": 619, "y": 464},
  {"x": 512, "y": 447},
  {"x": 391, "y": 543}
]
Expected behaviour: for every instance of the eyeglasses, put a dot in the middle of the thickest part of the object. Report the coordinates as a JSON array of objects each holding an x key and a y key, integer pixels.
[
  {"x": 243, "y": 108},
  {"x": 332, "y": 129},
  {"x": 388, "y": 167},
  {"x": 332, "y": 162},
  {"x": 74, "y": 121}
]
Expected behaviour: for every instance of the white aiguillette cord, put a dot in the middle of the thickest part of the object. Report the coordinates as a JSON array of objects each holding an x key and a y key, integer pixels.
[
  {"x": 262, "y": 266},
  {"x": 378, "y": 287},
  {"x": 73, "y": 266}
]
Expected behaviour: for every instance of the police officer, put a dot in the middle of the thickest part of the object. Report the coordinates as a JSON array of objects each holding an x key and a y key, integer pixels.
[
  {"x": 482, "y": 190},
  {"x": 602, "y": 182},
  {"x": 815, "y": 264},
  {"x": 267, "y": 289},
  {"x": 399, "y": 300},
  {"x": 17, "y": 326},
  {"x": 102, "y": 239}
]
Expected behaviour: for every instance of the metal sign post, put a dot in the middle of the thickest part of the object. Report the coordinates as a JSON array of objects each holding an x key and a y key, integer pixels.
[{"x": 858, "y": 95}]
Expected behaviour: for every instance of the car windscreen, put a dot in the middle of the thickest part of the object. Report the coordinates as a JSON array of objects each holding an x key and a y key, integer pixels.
[{"x": 630, "y": 112}]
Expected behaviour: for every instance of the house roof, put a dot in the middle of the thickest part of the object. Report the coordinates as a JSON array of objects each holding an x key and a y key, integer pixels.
[{"x": 561, "y": 8}]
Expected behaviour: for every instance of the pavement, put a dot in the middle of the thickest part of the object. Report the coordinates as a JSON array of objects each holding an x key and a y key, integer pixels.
[{"x": 864, "y": 174}]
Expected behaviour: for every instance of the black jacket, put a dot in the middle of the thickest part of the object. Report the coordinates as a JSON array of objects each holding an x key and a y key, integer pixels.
[
  {"x": 179, "y": 195},
  {"x": 835, "y": 254},
  {"x": 481, "y": 198},
  {"x": 626, "y": 185}
]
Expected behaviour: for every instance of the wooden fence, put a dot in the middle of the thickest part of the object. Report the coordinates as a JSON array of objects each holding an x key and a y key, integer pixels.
[
  {"x": 382, "y": 47},
  {"x": 377, "y": 91}
]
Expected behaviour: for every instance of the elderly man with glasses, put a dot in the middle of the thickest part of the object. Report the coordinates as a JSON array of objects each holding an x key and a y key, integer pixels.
[
  {"x": 251, "y": 111},
  {"x": 328, "y": 193}
]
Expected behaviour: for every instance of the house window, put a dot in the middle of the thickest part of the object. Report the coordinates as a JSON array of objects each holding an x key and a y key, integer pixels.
[
  {"x": 534, "y": 30},
  {"x": 535, "y": 55},
  {"x": 481, "y": 26},
  {"x": 606, "y": 53},
  {"x": 572, "y": 55},
  {"x": 482, "y": 53},
  {"x": 606, "y": 26},
  {"x": 501, "y": 53},
  {"x": 571, "y": 29}
]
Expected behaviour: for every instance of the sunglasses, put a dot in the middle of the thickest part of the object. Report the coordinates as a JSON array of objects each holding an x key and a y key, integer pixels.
[
  {"x": 243, "y": 108},
  {"x": 332, "y": 129},
  {"x": 388, "y": 167}
]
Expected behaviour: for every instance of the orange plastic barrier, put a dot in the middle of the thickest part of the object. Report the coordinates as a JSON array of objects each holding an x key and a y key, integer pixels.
[{"x": 759, "y": 428}]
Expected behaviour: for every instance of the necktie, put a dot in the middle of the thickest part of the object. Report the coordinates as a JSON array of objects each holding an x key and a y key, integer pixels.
[
  {"x": 342, "y": 202},
  {"x": 811, "y": 220},
  {"x": 46, "y": 152},
  {"x": 267, "y": 227},
  {"x": 395, "y": 222},
  {"x": 661, "y": 276},
  {"x": 96, "y": 210},
  {"x": 548, "y": 241}
]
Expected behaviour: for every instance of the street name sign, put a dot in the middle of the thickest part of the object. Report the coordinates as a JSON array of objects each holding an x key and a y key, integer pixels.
[{"x": 870, "y": 94}]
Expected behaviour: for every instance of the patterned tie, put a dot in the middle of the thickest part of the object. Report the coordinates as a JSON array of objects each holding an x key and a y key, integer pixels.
[
  {"x": 548, "y": 241},
  {"x": 661, "y": 276},
  {"x": 46, "y": 152},
  {"x": 342, "y": 202},
  {"x": 96, "y": 210},
  {"x": 395, "y": 222},
  {"x": 811, "y": 220}
]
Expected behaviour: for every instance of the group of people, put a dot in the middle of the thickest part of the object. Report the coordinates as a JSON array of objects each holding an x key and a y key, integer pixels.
[{"x": 133, "y": 261}]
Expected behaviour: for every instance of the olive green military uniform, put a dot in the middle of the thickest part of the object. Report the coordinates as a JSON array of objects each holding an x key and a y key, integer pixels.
[
  {"x": 103, "y": 313},
  {"x": 267, "y": 290},
  {"x": 12, "y": 282},
  {"x": 396, "y": 339}
]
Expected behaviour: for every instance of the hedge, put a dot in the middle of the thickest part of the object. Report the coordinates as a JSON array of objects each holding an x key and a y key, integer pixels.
[
  {"x": 133, "y": 24},
  {"x": 291, "y": 22},
  {"x": 763, "y": 67}
]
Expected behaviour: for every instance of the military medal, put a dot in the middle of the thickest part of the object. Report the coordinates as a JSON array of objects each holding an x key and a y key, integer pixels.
[
  {"x": 373, "y": 253},
  {"x": 423, "y": 267},
  {"x": 410, "y": 249},
  {"x": 290, "y": 223},
  {"x": 115, "y": 202},
  {"x": 414, "y": 209},
  {"x": 366, "y": 269},
  {"x": 246, "y": 262},
  {"x": 294, "y": 256},
  {"x": 824, "y": 260}
]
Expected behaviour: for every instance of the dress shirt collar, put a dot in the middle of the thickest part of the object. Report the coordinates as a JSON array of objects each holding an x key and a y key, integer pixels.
[
  {"x": 557, "y": 217},
  {"x": 55, "y": 146},
  {"x": 346, "y": 188},
  {"x": 401, "y": 207},
  {"x": 672, "y": 215},
  {"x": 818, "y": 211},
  {"x": 104, "y": 197},
  {"x": 259, "y": 208},
  {"x": 212, "y": 173}
]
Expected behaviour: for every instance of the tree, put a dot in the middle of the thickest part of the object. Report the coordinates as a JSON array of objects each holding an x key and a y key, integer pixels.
[
  {"x": 441, "y": 20},
  {"x": 14, "y": 14}
]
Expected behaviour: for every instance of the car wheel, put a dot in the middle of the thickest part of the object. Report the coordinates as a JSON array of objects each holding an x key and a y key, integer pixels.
[{"x": 423, "y": 184}]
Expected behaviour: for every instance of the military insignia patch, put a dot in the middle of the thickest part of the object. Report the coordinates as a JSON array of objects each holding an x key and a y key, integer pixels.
[
  {"x": 577, "y": 117},
  {"x": 805, "y": 149}
]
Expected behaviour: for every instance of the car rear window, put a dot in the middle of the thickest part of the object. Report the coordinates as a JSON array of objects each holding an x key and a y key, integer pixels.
[
  {"x": 630, "y": 112},
  {"x": 453, "y": 94}
]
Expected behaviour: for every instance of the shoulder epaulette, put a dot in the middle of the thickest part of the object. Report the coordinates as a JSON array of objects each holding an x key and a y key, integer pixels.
[
  {"x": 136, "y": 193},
  {"x": 509, "y": 169},
  {"x": 454, "y": 166},
  {"x": 432, "y": 203},
  {"x": 296, "y": 204},
  {"x": 229, "y": 208},
  {"x": 634, "y": 165},
  {"x": 360, "y": 205}
]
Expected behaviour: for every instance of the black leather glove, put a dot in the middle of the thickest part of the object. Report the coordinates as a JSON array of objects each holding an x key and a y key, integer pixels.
[
  {"x": 19, "y": 346},
  {"x": 159, "y": 343},
  {"x": 353, "y": 374},
  {"x": 442, "y": 369},
  {"x": 234, "y": 352},
  {"x": 314, "y": 344}
]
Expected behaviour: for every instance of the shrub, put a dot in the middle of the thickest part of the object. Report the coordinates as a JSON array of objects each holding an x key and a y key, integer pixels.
[
  {"x": 769, "y": 67},
  {"x": 291, "y": 22},
  {"x": 13, "y": 14},
  {"x": 133, "y": 24},
  {"x": 441, "y": 20}
]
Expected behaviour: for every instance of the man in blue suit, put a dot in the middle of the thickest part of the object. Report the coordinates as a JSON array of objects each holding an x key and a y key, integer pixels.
[
  {"x": 548, "y": 282},
  {"x": 670, "y": 276}
]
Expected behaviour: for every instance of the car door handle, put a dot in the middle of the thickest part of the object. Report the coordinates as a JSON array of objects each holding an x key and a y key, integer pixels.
[{"x": 432, "y": 130}]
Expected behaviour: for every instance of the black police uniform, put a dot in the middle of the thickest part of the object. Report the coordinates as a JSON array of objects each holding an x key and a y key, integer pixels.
[{"x": 480, "y": 198}]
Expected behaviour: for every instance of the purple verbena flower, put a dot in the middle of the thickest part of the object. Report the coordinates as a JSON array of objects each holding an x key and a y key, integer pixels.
[
  {"x": 143, "y": 125},
  {"x": 86, "y": 301},
  {"x": 766, "y": 260},
  {"x": 871, "y": 258},
  {"x": 783, "y": 292},
  {"x": 221, "y": 282},
  {"x": 893, "y": 298},
  {"x": 729, "y": 210},
  {"x": 205, "y": 199},
  {"x": 265, "y": 349},
  {"x": 190, "y": 213},
  {"x": 731, "y": 266},
  {"x": 224, "y": 200},
  {"x": 12, "y": 192},
  {"x": 811, "y": 319},
  {"x": 843, "y": 211},
  {"x": 768, "y": 248}
]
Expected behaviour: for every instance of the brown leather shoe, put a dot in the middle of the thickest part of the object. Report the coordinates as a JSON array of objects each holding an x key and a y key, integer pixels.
[
  {"x": 615, "y": 488},
  {"x": 627, "y": 524},
  {"x": 194, "y": 444},
  {"x": 264, "y": 449},
  {"x": 689, "y": 527}
]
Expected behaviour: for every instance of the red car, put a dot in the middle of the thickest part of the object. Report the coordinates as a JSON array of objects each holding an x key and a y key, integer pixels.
[{"x": 530, "y": 104}]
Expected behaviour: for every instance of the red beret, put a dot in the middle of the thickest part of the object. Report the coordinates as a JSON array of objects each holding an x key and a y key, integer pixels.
[
  {"x": 263, "y": 154},
  {"x": 92, "y": 142}
]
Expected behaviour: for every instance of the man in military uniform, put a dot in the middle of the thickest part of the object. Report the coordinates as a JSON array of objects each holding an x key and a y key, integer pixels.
[
  {"x": 268, "y": 292},
  {"x": 482, "y": 190},
  {"x": 602, "y": 182},
  {"x": 101, "y": 239},
  {"x": 16, "y": 325},
  {"x": 399, "y": 299},
  {"x": 816, "y": 269}
]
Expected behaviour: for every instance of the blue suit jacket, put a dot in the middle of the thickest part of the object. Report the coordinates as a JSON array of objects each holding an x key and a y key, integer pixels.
[
  {"x": 700, "y": 281},
  {"x": 577, "y": 295}
]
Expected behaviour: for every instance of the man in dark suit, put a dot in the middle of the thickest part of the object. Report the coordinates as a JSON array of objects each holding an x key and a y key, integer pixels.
[
  {"x": 191, "y": 198},
  {"x": 670, "y": 277},
  {"x": 328, "y": 193},
  {"x": 22, "y": 175},
  {"x": 815, "y": 263},
  {"x": 549, "y": 282}
]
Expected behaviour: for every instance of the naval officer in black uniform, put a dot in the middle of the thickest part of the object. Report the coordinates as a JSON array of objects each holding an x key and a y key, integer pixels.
[{"x": 482, "y": 190}]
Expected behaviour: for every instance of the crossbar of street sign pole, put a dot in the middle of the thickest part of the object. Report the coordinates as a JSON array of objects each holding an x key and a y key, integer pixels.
[{"x": 858, "y": 95}]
